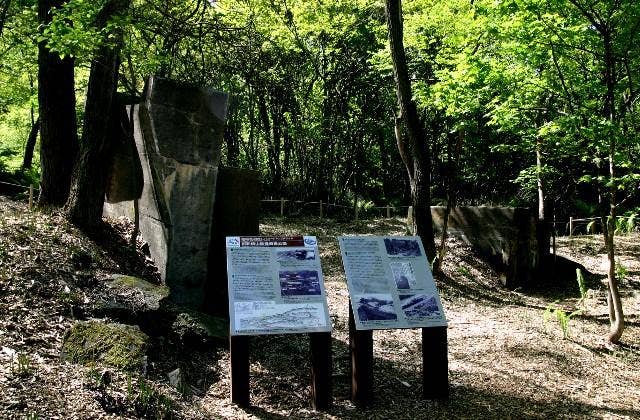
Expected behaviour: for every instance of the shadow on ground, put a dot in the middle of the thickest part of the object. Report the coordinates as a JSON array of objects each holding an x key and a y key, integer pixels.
[{"x": 281, "y": 372}]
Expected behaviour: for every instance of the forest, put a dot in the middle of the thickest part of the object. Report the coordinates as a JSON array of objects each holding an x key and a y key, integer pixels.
[
  {"x": 519, "y": 100},
  {"x": 356, "y": 104}
]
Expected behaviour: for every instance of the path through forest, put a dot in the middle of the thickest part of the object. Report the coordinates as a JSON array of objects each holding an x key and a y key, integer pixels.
[{"x": 505, "y": 361}]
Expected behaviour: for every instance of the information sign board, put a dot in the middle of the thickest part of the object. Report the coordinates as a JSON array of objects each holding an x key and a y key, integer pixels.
[
  {"x": 390, "y": 283},
  {"x": 276, "y": 285}
]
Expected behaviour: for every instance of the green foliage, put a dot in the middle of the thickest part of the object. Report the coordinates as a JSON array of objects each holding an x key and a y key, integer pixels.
[
  {"x": 621, "y": 272},
  {"x": 582, "y": 286},
  {"x": 86, "y": 34},
  {"x": 147, "y": 400},
  {"x": 312, "y": 99},
  {"x": 98, "y": 379},
  {"x": 21, "y": 365},
  {"x": 465, "y": 272},
  {"x": 563, "y": 318},
  {"x": 626, "y": 224}
]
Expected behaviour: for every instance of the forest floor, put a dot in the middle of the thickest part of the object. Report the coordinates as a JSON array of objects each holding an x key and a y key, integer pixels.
[{"x": 505, "y": 359}]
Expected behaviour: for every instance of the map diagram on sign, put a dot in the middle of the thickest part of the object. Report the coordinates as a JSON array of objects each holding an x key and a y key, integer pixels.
[
  {"x": 259, "y": 316},
  {"x": 276, "y": 286}
]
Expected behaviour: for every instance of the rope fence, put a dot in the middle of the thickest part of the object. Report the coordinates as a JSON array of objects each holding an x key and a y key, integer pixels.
[
  {"x": 322, "y": 209},
  {"x": 285, "y": 207},
  {"x": 25, "y": 187},
  {"x": 576, "y": 224}
]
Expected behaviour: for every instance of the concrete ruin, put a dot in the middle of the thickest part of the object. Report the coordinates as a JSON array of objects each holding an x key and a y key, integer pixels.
[
  {"x": 505, "y": 236},
  {"x": 178, "y": 132}
]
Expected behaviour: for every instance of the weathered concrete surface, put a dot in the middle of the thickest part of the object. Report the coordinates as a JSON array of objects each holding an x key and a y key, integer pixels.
[
  {"x": 125, "y": 181},
  {"x": 178, "y": 134},
  {"x": 505, "y": 236},
  {"x": 236, "y": 213}
]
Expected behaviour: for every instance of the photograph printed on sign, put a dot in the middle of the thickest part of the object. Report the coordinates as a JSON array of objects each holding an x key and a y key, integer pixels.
[
  {"x": 390, "y": 283},
  {"x": 376, "y": 307},
  {"x": 420, "y": 306},
  {"x": 403, "y": 275},
  {"x": 299, "y": 283},
  {"x": 402, "y": 247},
  {"x": 296, "y": 255}
]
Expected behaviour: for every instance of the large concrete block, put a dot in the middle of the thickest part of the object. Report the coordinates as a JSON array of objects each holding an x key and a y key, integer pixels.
[
  {"x": 186, "y": 122},
  {"x": 505, "y": 236},
  {"x": 125, "y": 181},
  {"x": 178, "y": 133},
  {"x": 236, "y": 213}
]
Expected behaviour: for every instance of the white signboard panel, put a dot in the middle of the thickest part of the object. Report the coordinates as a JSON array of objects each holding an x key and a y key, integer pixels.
[
  {"x": 275, "y": 285},
  {"x": 390, "y": 282}
]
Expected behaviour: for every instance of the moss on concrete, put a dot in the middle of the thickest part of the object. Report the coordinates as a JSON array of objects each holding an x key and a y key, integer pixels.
[
  {"x": 193, "y": 323},
  {"x": 152, "y": 294},
  {"x": 118, "y": 345}
]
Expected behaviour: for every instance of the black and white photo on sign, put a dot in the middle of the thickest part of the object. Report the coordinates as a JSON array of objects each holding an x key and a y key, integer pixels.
[
  {"x": 402, "y": 247},
  {"x": 403, "y": 275},
  {"x": 376, "y": 307},
  {"x": 419, "y": 306},
  {"x": 297, "y": 255},
  {"x": 299, "y": 283}
]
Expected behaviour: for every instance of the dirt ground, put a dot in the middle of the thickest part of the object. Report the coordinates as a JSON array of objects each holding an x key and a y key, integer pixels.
[{"x": 506, "y": 358}]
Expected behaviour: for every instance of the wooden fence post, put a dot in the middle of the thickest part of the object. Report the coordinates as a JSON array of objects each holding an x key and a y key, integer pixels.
[
  {"x": 321, "y": 209},
  {"x": 281, "y": 207},
  {"x": 388, "y": 212},
  {"x": 30, "y": 197},
  {"x": 570, "y": 226},
  {"x": 356, "y": 210}
]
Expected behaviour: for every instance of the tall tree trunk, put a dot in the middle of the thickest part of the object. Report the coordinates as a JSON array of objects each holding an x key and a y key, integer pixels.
[
  {"x": 453, "y": 156},
  {"x": 86, "y": 199},
  {"x": 31, "y": 144},
  {"x": 543, "y": 226},
  {"x": 615, "y": 302},
  {"x": 415, "y": 145},
  {"x": 232, "y": 136},
  {"x": 57, "y": 109},
  {"x": 541, "y": 217}
]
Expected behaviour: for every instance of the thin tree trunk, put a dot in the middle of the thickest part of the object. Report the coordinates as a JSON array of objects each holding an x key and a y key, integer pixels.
[
  {"x": 541, "y": 217},
  {"x": 452, "y": 175},
  {"x": 416, "y": 140},
  {"x": 615, "y": 308},
  {"x": 86, "y": 199},
  {"x": 57, "y": 109},
  {"x": 31, "y": 144}
]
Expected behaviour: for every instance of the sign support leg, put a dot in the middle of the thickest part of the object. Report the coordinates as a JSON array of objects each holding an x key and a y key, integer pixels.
[
  {"x": 361, "y": 348},
  {"x": 435, "y": 363},
  {"x": 321, "y": 370},
  {"x": 239, "y": 350}
]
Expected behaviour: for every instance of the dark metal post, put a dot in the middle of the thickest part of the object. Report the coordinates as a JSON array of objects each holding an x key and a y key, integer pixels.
[
  {"x": 361, "y": 347},
  {"x": 321, "y": 371},
  {"x": 435, "y": 364},
  {"x": 239, "y": 350}
]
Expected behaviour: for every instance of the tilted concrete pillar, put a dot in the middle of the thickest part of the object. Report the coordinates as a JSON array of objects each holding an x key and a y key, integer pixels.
[{"x": 178, "y": 131}]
